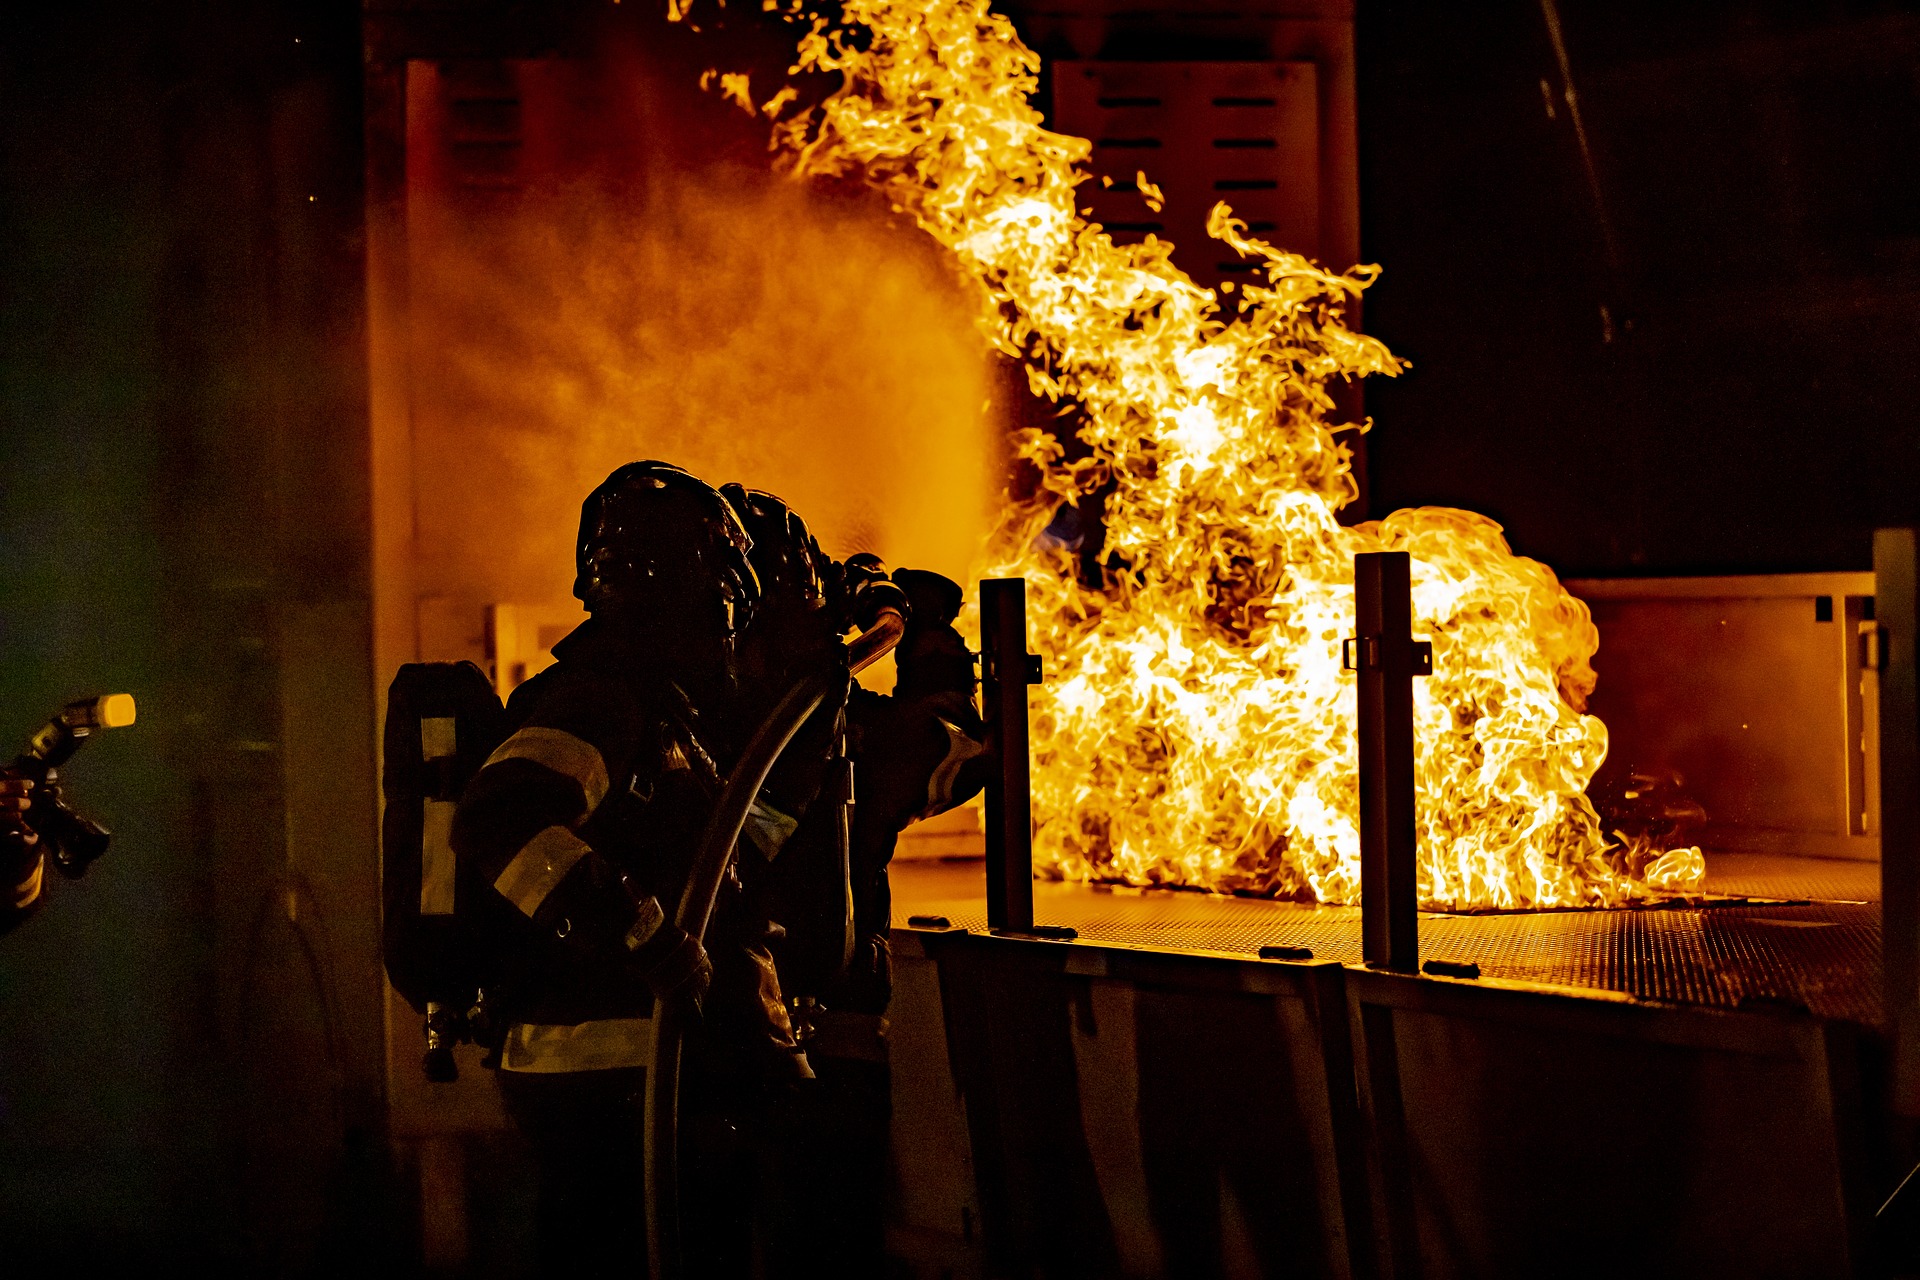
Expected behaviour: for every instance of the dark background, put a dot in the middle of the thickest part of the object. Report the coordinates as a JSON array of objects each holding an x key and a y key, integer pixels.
[
  {"x": 182, "y": 489},
  {"x": 1750, "y": 406},
  {"x": 183, "y": 480}
]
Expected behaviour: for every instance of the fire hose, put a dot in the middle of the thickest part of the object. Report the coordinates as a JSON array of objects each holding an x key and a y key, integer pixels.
[{"x": 695, "y": 912}]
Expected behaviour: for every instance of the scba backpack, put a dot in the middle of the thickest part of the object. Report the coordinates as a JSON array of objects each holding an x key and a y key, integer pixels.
[{"x": 443, "y": 721}]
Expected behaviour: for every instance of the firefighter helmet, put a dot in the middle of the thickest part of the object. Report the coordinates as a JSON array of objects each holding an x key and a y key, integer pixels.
[
  {"x": 785, "y": 554},
  {"x": 657, "y": 540}
]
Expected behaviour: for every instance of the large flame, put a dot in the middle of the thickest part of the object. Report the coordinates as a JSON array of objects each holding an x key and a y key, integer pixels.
[{"x": 1196, "y": 727}]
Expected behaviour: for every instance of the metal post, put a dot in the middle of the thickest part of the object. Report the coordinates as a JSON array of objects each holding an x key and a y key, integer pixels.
[
  {"x": 1385, "y": 657},
  {"x": 1893, "y": 651},
  {"x": 1006, "y": 669}
]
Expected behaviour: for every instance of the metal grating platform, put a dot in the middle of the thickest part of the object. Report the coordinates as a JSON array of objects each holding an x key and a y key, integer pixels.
[{"x": 1822, "y": 952}]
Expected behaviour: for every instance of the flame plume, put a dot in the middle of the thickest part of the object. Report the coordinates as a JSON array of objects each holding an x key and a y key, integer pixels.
[{"x": 1196, "y": 728}]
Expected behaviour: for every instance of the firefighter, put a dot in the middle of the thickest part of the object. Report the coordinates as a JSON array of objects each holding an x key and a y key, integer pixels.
[
  {"x": 23, "y": 861},
  {"x": 574, "y": 839},
  {"x": 915, "y": 753}
]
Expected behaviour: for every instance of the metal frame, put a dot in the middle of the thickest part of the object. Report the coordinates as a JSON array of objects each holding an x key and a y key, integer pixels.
[
  {"x": 1388, "y": 1036},
  {"x": 1746, "y": 673},
  {"x": 1897, "y": 615},
  {"x": 994, "y": 1059},
  {"x": 1385, "y": 658},
  {"x": 1405, "y": 1060},
  {"x": 1726, "y": 1060},
  {"x": 1006, "y": 669}
]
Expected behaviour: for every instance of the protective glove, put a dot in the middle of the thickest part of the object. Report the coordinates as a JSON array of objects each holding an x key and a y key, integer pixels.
[
  {"x": 935, "y": 597},
  {"x": 19, "y": 845},
  {"x": 863, "y": 591},
  {"x": 932, "y": 659},
  {"x": 675, "y": 968}
]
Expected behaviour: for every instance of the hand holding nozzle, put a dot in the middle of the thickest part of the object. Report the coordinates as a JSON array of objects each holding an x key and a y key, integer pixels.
[
  {"x": 68, "y": 731},
  {"x": 19, "y": 845},
  {"x": 16, "y": 797},
  {"x": 676, "y": 968},
  {"x": 73, "y": 840},
  {"x": 865, "y": 591}
]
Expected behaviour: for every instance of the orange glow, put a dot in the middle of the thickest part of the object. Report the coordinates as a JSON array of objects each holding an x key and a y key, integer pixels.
[
  {"x": 1196, "y": 727},
  {"x": 682, "y": 305}
]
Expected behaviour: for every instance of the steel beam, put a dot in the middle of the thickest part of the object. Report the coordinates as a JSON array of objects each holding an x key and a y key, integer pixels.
[
  {"x": 1385, "y": 657},
  {"x": 1893, "y": 650},
  {"x": 1006, "y": 669}
]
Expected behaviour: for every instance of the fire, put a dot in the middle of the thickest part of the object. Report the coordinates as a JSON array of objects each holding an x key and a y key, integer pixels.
[{"x": 1196, "y": 728}]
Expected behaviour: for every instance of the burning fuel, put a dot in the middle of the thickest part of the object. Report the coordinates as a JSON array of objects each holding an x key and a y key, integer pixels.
[{"x": 1196, "y": 728}]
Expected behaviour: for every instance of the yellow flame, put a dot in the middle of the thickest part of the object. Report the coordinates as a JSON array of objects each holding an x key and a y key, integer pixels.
[
  {"x": 1154, "y": 198},
  {"x": 735, "y": 89},
  {"x": 1197, "y": 728}
]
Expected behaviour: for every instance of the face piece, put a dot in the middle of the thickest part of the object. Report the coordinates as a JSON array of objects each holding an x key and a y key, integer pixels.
[{"x": 661, "y": 550}]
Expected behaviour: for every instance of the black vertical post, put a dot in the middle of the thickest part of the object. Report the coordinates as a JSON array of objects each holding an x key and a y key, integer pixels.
[
  {"x": 1005, "y": 671},
  {"x": 1385, "y": 658},
  {"x": 1897, "y": 613}
]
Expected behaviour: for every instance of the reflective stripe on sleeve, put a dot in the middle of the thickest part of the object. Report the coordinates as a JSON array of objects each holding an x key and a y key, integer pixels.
[
  {"x": 960, "y": 749},
  {"x": 768, "y": 828},
  {"x": 563, "y": 753},
  {"x": 539, "y": 867},
  {"x": 587, "y": 1046},
  {"x": 436, "y": 858},
  {"x": 27, "y": 892}
]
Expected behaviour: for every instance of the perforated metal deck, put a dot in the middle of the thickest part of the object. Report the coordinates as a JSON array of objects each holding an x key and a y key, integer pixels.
[{"x": 1821, "y": 950}]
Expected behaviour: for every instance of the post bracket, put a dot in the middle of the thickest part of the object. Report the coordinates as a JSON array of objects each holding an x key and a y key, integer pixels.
[{"x": 1370, "y": 658}]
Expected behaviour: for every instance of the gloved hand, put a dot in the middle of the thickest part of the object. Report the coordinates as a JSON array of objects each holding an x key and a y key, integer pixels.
[
  {"x": 863, "y": 591},
  {"x": 15, "y": 799},
  {"x": 675, "y": 967},
  {"x": 19, "y": 845},
  {"x": 932, "y": 659},
  {"x": 935, "y": 597}
]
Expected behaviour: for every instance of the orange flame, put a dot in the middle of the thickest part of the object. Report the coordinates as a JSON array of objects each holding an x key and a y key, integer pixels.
[{"x": 1196, "y": 728}]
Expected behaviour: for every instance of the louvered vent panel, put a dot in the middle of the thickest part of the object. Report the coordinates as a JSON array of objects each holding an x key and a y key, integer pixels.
[
  {"x": 1243, "y": 132},
  {"x": 483, "y": 121}
]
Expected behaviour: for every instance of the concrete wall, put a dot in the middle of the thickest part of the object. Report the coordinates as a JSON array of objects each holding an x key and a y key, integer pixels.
[{"x": 190, "y": 1038}]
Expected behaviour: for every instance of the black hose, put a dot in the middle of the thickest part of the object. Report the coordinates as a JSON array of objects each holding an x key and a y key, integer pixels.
[
  {"x": 662, "y": 1119},
  {"x": 661, "y": 1113}
]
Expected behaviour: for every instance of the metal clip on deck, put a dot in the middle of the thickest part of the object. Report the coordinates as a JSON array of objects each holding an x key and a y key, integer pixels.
[{"x": 1368, "y": 658}]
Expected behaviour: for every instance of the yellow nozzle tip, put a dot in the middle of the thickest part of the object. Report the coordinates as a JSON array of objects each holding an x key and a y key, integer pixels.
[{"x": 115, "y": 710}]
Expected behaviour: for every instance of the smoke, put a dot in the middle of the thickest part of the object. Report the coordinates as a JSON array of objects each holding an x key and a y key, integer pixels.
[{"x": 743, "y": 326}]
